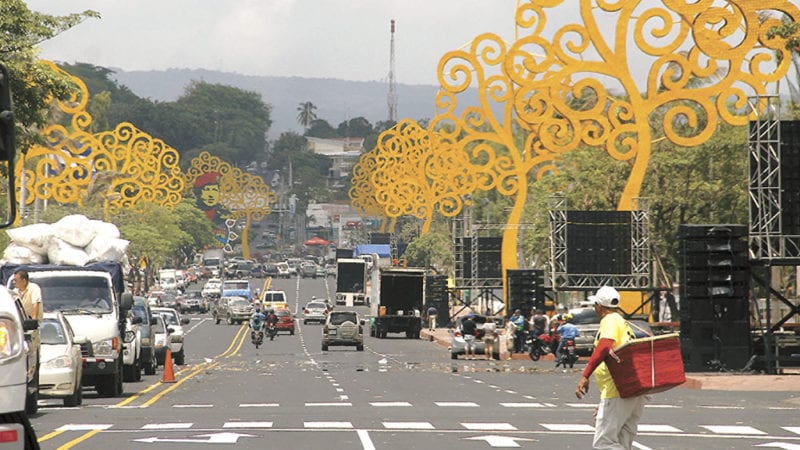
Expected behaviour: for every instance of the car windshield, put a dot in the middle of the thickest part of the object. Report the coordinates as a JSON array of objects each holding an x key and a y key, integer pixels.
[
  {"x": 159, "y": 327},
  {"x": 79, "y": 293},
  {"x": 238, "y": 302},
  {"x": 342, "y": 317},
  {"x": 192, "y": 294},
  {"x": 315, "y": 306},
  {"x": 51, "y": 332},
  {"x": 140, "y": 312},
  {"x": 584, "y": 316},
  {"x": 282, "y": 313},
  {"x": 169, "y": 317},
  {"x": 235, "y": 285},
  {"x": 274, "y": 297}
]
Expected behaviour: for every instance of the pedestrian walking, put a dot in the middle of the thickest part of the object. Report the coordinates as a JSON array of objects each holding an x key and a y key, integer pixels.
[
  {"x": 468, "y": 329},
  {"x": 617, "y": 418},
  {"x": 432, "y": 313},
  {"x": 489, "y": 337}
]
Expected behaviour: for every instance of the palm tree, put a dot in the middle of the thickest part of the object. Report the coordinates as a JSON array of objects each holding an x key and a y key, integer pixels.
[{"x": 306, "y": 114}]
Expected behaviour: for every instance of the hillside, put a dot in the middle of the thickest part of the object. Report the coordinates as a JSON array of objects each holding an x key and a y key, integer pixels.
[{"x": 336, "y": 100}]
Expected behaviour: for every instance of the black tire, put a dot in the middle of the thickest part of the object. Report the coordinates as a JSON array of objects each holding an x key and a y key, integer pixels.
[
  {"x": 150, "y": 367},
  {"x": 535, "y": 354},
  {"x": 230, "y": 320},
  {"x": 324, "y": 348},
  {"x": 179, "y": 357},
  {"x": 453, "y": 355},
  {"x": 137, "y": 373},
  {"x": 291, "y": 332},
  {"x": 217, "y": 319},
  {"x": 359, "y": 348},
  {"x": 305, "y": 322},
  {"x": 109, "y": 386},
  {"x": 127, "y": 373},
  {"x": 371, "y": 332},
  {"x": 32, "y": 402},
  {"x": 77, "y": 397}
]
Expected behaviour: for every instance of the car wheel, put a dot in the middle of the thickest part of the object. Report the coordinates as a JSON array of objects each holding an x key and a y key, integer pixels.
[
  {"x": 32, "y": 403},
  {"x": 150, "y": 367},
  {"x": 179, "y": 357},
  {"x": 291, "y": 332},
  {"x": 360, "y": 348},
  {"x": 137, "y": 373},
  {"x": 127, "y": 373},
  {"x": 305, "y": 322},
  {"x": 77, "y": 397},
  {"x": 230, "y": 320},
  {"x": 324, "y": 348},
  {"x": 453, "y": 355}
]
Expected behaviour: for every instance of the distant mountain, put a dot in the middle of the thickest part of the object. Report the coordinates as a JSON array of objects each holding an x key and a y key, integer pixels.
[{"x": 336, "y": 100}]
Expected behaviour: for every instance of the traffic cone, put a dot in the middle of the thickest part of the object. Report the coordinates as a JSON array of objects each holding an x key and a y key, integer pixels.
[{"x": 169, "y": 371}]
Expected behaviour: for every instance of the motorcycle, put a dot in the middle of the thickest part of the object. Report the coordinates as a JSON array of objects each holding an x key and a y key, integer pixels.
[
  {"x": 272, "y": 331},
  {"x": 568, "y": 354},
  {"x": 539, "y": 346},
  {"x": 257, "y": 336}
]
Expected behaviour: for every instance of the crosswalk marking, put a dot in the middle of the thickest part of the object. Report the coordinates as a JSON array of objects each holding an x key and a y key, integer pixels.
[
  {"x": 795, "y": 430},
  {"x": 733, "y": 429},
  {"x": 457, "y": 404},
  {"x": 489, "y": 426},
  {"x": 567, "y": 427},
  {"x": 657, "y": 429},
  {"x": 327, "y": 425},
  {"x": 247, "y": 425},
  {"x": 390, "y": 403},
  {"x": 408, "y": 425},
  {"x": 522, "y": 405},
  {"x": 168, "y": 426}
]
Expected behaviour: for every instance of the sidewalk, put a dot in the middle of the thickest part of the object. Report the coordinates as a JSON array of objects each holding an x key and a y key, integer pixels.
[{"x": 790, "y": 382}]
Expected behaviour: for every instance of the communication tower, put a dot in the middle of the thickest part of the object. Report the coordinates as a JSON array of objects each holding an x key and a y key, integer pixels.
[{"x": 392, "y": 97}]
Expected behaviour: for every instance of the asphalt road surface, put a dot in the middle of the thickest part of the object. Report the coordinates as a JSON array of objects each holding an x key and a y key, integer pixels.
[{"x": 396, "y": 394}]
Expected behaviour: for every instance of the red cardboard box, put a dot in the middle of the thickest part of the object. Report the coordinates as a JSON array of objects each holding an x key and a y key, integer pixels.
[{"x": 647, "y": 365}]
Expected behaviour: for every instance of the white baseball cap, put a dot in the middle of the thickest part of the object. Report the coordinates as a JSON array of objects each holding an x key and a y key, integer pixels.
[{"x": 606, "y": 296}]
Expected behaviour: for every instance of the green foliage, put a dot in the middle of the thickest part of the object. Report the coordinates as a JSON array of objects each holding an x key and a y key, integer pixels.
[
  {"x": 356, "y": 127},
  {"x": 320, "y": 128},
  {"x": 306, "y": 114},
  {"x": 433, "y": 249}
]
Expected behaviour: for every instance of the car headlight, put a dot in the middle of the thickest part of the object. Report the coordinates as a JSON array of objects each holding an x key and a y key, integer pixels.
[
  {"x": 130, "y": 336},
  {"x": 105, "y": 347},
  {"x": 10, "y": 344},
  {"x": 60, "y": 362}
]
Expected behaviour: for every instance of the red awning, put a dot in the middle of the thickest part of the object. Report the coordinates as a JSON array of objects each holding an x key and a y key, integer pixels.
[{"x": 316, "y": 240}]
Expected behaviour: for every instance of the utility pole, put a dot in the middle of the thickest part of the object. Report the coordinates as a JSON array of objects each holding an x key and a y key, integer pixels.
[{"x": 392, "y": 97}]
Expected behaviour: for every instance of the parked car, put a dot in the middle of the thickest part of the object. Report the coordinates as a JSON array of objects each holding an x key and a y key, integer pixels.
[
  {"x": 588, "y": 324},
  {"x": 61, "y": 365},
  {"x": 161, "y": 338},
  {"x": 174, "y": 322},
  {"x": 285, "y": 320},
  {"x": 343, "y": 328},
  {"x": 458, "y": 345},
  {"x": 141, "y": 310},
  {"x": 192, "y": 302},
  {"x": 315, "y": 312},
  {"x": 234, "y": 310}
]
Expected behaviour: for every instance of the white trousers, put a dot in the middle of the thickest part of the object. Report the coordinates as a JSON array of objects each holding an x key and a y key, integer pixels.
[{"x": 615, "y": 425}]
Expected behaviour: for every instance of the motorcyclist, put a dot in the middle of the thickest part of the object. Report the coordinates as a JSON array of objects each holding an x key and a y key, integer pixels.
[
  {"x": 257, "y": 320},
  {"x": 272, "y": 320},
  {"x": 567, "y": 331},
  {"x": 539, "y": 322}
]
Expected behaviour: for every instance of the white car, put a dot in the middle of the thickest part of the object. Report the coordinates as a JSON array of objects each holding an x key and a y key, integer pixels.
[
  {"x": 61, "y": 365},
  {"x": 132, "y": 352},
  {"x": 212, "y": 288},
  {"x": 174, "y": 322},
  {"x": 161, "y": 338}
]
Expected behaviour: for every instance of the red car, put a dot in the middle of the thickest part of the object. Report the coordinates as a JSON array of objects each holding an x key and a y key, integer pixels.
[{"x": 285, "y": 320}]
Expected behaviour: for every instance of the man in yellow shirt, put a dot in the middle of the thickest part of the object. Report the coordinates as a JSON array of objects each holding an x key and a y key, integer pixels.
[
  {"x": 617, "y": 418},
  {"x": 30, "y": 294}
]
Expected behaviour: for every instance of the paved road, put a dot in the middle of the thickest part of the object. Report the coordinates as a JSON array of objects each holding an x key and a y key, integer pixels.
[{"x": 396, "y": 394}]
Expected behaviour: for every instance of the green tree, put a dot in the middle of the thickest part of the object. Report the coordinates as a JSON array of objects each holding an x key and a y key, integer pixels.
[
  {"x": 33, "y": 84},
  {"x": 355, "y": 127},
  {"x": 306, "y": 114},
  {"x": 433, "y": 249},
  {"x": 320, "y": 128}
]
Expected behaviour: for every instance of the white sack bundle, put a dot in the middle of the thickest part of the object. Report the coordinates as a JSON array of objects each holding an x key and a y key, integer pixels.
[
  {"x": 106, "y": 249},
  {"x": 106, "y": 229},
  {"x": 74, "y": 229},
  {"x": 66, "y": 254},
  {"x": 36, "y": 237},
  {"x": 21, "y": 254}
]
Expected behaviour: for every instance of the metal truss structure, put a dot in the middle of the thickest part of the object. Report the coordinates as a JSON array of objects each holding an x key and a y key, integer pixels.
[
  {"x": 768, "y": 243},
  {"x": 640, "y": 275}
]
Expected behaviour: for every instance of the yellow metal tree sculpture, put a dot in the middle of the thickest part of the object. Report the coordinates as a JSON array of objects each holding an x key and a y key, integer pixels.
[
  {"x": 699, "y": 61},
  {"x": 227, "y": 195}
]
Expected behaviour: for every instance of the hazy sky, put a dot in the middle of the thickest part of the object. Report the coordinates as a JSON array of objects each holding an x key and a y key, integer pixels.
[{"x": 346, "y": 39}]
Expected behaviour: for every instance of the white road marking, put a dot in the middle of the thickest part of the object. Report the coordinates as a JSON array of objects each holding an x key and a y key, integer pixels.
[
  {"x": 511, "y": 392},
  {"x": 567, "y": 427},
  {"x": 330, "y": 404},
  {"x": 408, "y": 425},
  {"x": 661, "y": 406},
  {"x": 489, "y": 426},
  {"x": 366, "y": 442},
  {"x": 720, "y": 407},
  {"x": 457, "y": 404},
  {"x": 499, "y": 441},
  {"x": 258, "y": 405},
  {"x": 390, "y": 403},
  {"x": 168, "y": 426},
  {"x": 247, "y": 425},
  {"x": 522, "y": 405},
  {"x": 733, "y": 429},
  {"x": 640, "y": 446},
  {"x": 327, "y": 425},
  {"x": 795, "y": 430},
  {"x": 581, "y": 405},
  {"x": 657, "y": 429},
  {"x": 84, "y": 426}
]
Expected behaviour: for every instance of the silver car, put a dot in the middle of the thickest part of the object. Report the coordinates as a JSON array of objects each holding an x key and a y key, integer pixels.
[
  {"x": 315, "y": 312},
  {"x": 343, "y": 328},
  {"x": 458, "y": 345}
]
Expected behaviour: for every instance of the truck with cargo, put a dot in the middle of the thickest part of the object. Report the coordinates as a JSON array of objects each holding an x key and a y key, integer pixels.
[
  {"x": 93, "y": 301},
  {"x": 168, "y": 279},
  {"x": 351, "y": 282},
  {"x": 397, "y": 307},
  {"x": 213, "y": 262}
]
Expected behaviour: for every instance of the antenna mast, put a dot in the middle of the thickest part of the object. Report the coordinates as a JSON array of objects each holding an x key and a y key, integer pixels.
[{"x": 392, "y": 97}]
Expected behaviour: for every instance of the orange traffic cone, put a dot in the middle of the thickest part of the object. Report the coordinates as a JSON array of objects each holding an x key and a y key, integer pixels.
[{"x": 169, "y": 371}]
